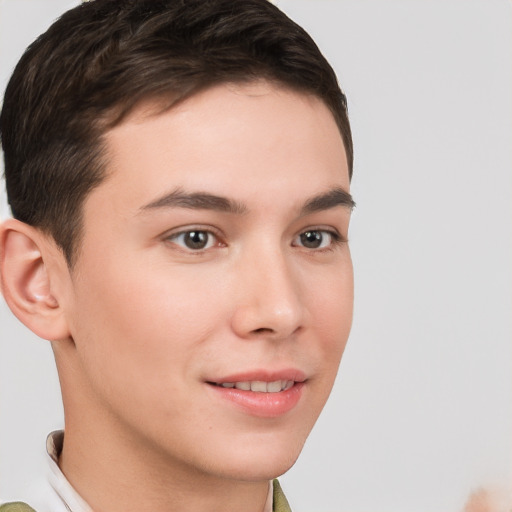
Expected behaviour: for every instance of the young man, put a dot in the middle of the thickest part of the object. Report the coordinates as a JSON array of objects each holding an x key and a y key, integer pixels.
[{"x": 179, "y": 173}]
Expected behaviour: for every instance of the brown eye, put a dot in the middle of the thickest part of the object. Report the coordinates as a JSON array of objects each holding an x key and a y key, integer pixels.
[
  {"x": 194, "y": 239},
  {"x": 316, "y": 239},
  {"x": 311, "y": 239}
]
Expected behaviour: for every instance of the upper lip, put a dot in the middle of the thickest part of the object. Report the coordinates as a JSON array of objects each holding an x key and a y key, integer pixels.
[{"x": 262, "y": 375}]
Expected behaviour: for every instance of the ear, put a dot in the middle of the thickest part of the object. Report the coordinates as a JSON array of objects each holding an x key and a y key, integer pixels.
[{"x": 25, "y": 255}]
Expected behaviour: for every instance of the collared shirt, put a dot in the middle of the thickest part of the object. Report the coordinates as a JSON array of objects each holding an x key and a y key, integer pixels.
[{"x": 56, "y": 494}]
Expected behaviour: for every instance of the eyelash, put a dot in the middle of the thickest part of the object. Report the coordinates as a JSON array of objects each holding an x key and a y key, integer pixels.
[
  {"x": 199, "y": 230},
  {"x": 335, "y": 239}
]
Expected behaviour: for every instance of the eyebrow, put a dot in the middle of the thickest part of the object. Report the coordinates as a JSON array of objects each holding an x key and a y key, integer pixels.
[
  {"x": 204, "y": 201},
  {"x": 331, "y": 199},
  {"x": 196, "y": 200}
]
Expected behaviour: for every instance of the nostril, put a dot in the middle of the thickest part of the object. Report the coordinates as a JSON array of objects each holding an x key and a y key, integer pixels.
[{"x": 263, "y": 330}]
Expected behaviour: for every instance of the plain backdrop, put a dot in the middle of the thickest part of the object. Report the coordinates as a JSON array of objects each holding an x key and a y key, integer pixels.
[{"x": 421, "y": 413}]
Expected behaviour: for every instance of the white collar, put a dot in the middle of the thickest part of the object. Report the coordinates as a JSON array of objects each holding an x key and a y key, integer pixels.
[{"x": 59, "y": 483}]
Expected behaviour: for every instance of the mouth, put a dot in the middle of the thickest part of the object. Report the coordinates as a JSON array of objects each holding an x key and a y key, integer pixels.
[
  {"x": 262, "y": 394},
  {"x": 258, "y": 386}
]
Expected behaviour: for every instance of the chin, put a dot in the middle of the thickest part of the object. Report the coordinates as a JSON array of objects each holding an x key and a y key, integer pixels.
[{"x": 260, "y": 461}]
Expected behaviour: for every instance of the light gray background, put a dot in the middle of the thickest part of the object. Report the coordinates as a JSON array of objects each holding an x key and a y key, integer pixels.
[{"x": 422, "y": 411}]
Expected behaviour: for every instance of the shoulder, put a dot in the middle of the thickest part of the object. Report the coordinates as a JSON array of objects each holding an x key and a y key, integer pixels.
[{"x": 16, "y": 506}]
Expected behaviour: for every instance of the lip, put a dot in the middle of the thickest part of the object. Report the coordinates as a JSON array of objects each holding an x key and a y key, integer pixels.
[
  {"x": 264, "y": 375},
  {"x": 261, "y": 404}
]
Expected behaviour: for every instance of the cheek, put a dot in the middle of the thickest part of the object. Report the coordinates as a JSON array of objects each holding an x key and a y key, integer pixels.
[
  {"x": 142, "y": 322},
  {"x": 330, "y": 320},
  {"x": 332, "y": 316}
]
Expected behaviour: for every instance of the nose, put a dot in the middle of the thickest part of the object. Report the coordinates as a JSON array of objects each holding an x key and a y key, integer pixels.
[{"x": 269, "y": 302}]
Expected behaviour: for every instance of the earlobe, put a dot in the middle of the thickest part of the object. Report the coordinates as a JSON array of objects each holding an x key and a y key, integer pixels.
[{"x": 26, "y": 281}]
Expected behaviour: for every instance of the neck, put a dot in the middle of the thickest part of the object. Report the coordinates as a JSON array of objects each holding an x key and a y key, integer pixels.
[{"x": 112, "y": 474}]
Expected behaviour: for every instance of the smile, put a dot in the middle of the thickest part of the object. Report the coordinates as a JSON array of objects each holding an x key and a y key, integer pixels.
[
  {"x": 259, "y": 386},
  {"x": 259, "y": 393}
]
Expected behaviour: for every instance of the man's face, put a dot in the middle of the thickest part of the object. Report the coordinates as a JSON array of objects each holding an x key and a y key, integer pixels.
[{"x": 214, "y": 255}]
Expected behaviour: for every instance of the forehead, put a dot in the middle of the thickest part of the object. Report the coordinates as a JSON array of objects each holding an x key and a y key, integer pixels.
[{"x": 250, "y": 136}]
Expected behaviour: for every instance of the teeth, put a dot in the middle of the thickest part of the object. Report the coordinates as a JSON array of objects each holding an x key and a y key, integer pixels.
[
  {"x": 260, "y": 386},
  {"x": 274, "y": 387}
]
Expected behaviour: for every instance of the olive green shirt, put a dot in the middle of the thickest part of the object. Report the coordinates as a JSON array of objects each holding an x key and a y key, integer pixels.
[{"x": 280, "y": 503}]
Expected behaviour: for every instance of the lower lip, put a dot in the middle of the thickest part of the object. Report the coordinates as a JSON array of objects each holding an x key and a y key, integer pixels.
[{"x": 264, "y": 405}]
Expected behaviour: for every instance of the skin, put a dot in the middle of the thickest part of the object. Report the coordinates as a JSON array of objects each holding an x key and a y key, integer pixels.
[{"x": 144, "y": 322}]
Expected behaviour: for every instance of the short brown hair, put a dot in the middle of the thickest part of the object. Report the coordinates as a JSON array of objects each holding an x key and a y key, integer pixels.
[{"x": 102, "y": 58}]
